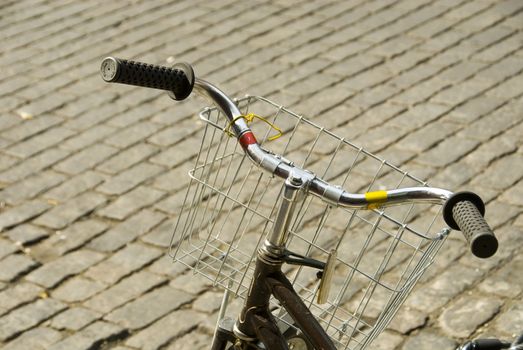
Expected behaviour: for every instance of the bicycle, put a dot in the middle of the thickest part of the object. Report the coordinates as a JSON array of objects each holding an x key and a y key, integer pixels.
[{"x": 316, "y": 266}]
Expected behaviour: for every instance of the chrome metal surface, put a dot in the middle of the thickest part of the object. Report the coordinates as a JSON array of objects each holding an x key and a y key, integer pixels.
[
  {"x": 109, "y": 69},
  {"x": 328, "y": 192},
  {"x": 398, "y": 196},
  {"x": 279, "y": 235},
  {"x": 223, "y": 102}
]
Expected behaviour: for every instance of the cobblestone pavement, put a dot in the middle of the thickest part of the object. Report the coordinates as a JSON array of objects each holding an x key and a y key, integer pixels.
[{"x": 91, "y": 175}]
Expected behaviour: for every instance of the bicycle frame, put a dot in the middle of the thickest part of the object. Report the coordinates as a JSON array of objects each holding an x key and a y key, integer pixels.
[{"x": 256, "y": 321}]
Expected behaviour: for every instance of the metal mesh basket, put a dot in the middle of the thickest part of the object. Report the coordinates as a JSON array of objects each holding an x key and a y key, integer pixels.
[{"x": 230, "y": 205}]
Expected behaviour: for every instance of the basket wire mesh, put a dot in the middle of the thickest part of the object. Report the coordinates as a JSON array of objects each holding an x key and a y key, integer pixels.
[{"x": 230, "y": 205}]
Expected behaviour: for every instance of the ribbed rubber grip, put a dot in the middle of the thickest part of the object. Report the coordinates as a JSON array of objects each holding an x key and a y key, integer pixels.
[
  {"x": 464, "y": 211},
  {"x": 179, "y": 79}
]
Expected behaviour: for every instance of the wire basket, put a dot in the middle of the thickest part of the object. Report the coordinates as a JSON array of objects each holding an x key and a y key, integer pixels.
[{"x": 230, "y": 206}]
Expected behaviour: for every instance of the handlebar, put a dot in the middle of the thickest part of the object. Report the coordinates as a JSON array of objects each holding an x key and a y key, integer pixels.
[{"x": 180, "y": 81}]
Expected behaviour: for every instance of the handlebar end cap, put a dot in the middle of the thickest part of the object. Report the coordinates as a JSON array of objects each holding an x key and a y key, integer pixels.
[
  {"x": 459, "y": 197},
  {"x": 110, "y": 69},
  {"x": 484, "y": 245}
]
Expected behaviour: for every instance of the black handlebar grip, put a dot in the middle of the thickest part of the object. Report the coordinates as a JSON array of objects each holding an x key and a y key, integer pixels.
[
  {"x": 179, "y": 80},
  {"x": 464, "y": 211},
  {"x": 489, "y": 344}
]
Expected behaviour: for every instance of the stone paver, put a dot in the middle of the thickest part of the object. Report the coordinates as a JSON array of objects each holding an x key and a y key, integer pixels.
[
  {"x": 74, "y": 186},
  {"x": 131, "y": 202},
  {"x": 426, "y": 340},
  {"x": 127, "y": 231},
  {"x": 15, "y": 265},
  {"x": 62, "y": 242},
  {"x": 31, "y": 187},
  {"x": 17, "y": 295},
  {"x": 7, "y": 247},
  {"x": 90, "y": 337},
  {"x": 37, "y": 338},
  {"x": 129, "y": 179},
  {"x": 155, "y": 336},
  {"x": 510, "y": 323},
  {"x": 142, "y": 312},
  {"x": 57, "y": 270},
  {"x": 123, "y": 262},
  {"x": 74, "y": 319},
  {"x": 86, "y": 159},
  {"x": 22, "y": 213},
  {"x": 66, "y": 213},
  {"x": 463, "y": 317},
  {"x": 77, "y": 289},
  {"x": 93, "y": 175},
  {"x": 126, "y": 290},
  {"x": 28, "y": 316}
]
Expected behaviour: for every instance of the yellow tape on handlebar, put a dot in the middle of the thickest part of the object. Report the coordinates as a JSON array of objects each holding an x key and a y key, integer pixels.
[
  {"x": 376, "y": 198},
  {"x": 249, "y": 118}
]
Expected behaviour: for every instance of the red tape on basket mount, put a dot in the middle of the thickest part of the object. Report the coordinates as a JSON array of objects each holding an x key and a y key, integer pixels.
[
  {"x": 249, "y": 118},
  {"x": 247, "y": 139}
]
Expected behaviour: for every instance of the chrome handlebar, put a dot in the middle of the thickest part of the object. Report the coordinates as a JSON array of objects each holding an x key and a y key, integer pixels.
[
  {"x": 462, "y": 210},
  {"x": 281, "y": 168}
]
